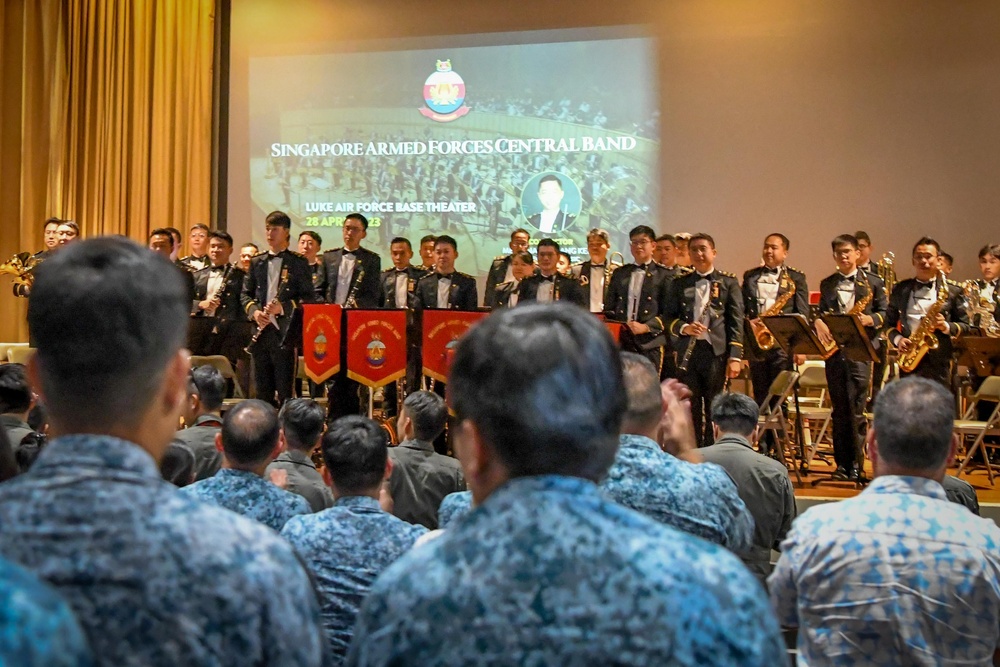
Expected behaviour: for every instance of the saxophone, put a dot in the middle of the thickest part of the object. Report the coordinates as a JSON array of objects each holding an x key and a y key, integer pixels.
[
  {"x": 859, "y": 306},
  {"x": 923, "y": 338},
  {"x": 21, "y": 266},
  {"x": 763, "y": 336},
  {"x": 981, "y": 311}
]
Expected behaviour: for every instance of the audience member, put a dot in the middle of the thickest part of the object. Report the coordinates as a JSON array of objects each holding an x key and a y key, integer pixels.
[
  {"x": 206, "y": 391},
  {"x": 249, "y": 440},
  {"x": 16, "y": 401},
  {"x": 421, "y": 477},
  {"x": 302, "y": 421},
  {"x": 897, "y": 575},
  {"x": 762, "y": 482},
  {"x": 154, "y": 578},
  {"x": 961, "y": 492},
  {"x": 545, "y": 570},
  {"x": 31, "y": 446},
  {"x": 699, "y": 499},
  {"x": 177, "y": 465},
  {"x": 36, "y": 625},
  {"x": 348, "y": 546},
  {"x": 453, "y": 507}
]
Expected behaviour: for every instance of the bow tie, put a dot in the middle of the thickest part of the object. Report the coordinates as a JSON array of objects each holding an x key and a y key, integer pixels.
[
  {"x": 547, "y": 279},
  {"x": 398, "y": 271},
  {"x": 442, "y": 276},
  {"x": 705, "y": 276},
  {"x": 596, "y": 266},
  {"x": 219, "y": 268},
  {"x": 349, "y": 253},
  {"x": 775, "y": 271},
  {"x": 921, "y": 284},
  {"x": 642, "y": 267}
]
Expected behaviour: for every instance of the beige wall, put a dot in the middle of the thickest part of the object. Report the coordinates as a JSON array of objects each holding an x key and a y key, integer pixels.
[{"x": 811, "y": 117}]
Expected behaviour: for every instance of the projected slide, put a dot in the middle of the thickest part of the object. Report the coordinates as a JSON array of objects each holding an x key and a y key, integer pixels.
[{"x": 474, "y": 141}]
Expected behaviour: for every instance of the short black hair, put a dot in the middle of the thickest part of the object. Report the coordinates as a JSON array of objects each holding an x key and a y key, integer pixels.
[
  {"x": 844, "y": 239},
  {"x": 702, "y": 236},
  {"x": 786, "y": 244},
  {"x": 355, "y": 450},
  {"x": 991, "y": 249},
  {"x": 401, "y": 239},
  {"x": 314, "y": 236},
  {"x": 548, "y": 243},
  {"x": 566, "y": 255},
  {"x": 550, "y": 178},
  {"x": 52, "y": 221},
  {"x": 199, "y": 225},
  {"x": 926, "y": 240},
  {"x": 735, "y": 413},
  {"x": 250, "y": 244},
  {"x": 430, "y": 238},
  {"x": 163, "y": 231},
  {"x": 543, "y": 385},
  {"x": 250, "y": 432},
  {"x": 642, "y": 388},
  {"x": 520, "y": 230},
  {"x": 15, "y": 390},
  {"x": 210, "y": 386},
  {"x": 429, "y": 414},
  {"x": 666, "y": 237},
  {"x": 360, "y": 218},
  {"x": 642, "y": 230},
  {"x": 175, "y": 233},
  {"x": 914, "y": 421},
  {"x": 450, "y": 240},
  {"x": 177, "y": 464},
  {"x": 106, "y": 372},
  {"x": 948, "y": 258},
  {"x": 302, "y": 420},
  {"x": 278, "y": 219},
  {"x": 221, "y": 235},
  {"x": 863, "y": 236},
  {"x": 524, "y": 256}
]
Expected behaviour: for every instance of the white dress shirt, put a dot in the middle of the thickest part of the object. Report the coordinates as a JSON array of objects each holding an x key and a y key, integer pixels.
[
  {"x": 344, "y": 275},
  {"x": 635, "y": 291},
  {"x": 401, "y": 282},
  {"x": 597, "y": 289},
  {"x": 444, "y": 289},
  {"x": 845, "y": 291}
]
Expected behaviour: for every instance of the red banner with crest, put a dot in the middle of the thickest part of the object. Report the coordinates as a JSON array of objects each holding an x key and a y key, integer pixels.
[
  {"x": 441, "y": 331},
  {"x": 614, "y": 328},
  {"x": 376, "y": 346},
  {"x": 321, "y": 340}
]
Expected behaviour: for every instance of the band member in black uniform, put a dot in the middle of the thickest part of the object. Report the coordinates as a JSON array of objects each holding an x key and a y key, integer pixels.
[
  {"x": 198, "y": 242},
  {"x": 427, "y": 253},
  {"x": 548, "y": 284},
  {"x": 637, "y": 295},
  {"x": 277, "y": 283},
  {"x": 887, "y": 274},
  {"x": 247, "y": 252},
  {"x": 445, "y": 287},
  {"x": 50, "y": 242},
  {"x": 162, "y": 241},
  {"x": 763, "y": 286},
  {"x": 705, "y": 320},
  {"x": 848, "y": 381},
  {"x": 217, "y": 290},
  {"x": 509, "y": 294},
  {"x": 594, "y": 275},
  {"x": 500, "y": 271},
  {"x": 911, "y": 299},
  {"x": 352, "y": 280},
  {"x": 309, "y": 245},
  {"x": 399, "y": 285},
  {"x": 989, "y": 284}
]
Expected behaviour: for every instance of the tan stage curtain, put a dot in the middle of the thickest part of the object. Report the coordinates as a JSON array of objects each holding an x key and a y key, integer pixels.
[{"x": 105, "y": 118}]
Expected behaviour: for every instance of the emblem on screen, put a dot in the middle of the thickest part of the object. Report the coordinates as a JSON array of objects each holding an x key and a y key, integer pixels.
[{"x": 444, "y": 94}]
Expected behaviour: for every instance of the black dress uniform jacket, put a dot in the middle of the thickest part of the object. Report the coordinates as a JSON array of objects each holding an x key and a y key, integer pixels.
[
  {"x": 725, "y": 331},
  {"x": 564, "y": 289},
  {"x": 365, "y": 281},
  {"x": 461, "y": 296},
  {"x": 652, "y": 302}
]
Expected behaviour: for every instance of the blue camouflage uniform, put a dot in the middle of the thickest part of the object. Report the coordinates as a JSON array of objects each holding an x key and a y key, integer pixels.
[{"x": 250, "y": 495}]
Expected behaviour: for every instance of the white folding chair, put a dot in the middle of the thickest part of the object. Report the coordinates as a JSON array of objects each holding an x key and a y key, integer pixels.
[
  {"x": 968, "y": 426},
  {"x": 772, "y": 415}
]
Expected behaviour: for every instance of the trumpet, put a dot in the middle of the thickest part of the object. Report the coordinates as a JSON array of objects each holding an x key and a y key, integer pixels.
[{"x": 277, "y": 297}]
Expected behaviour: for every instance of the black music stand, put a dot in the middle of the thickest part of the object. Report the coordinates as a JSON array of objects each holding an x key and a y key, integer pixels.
[
  {"x": 851, "y": 337},
  {"x": 980, "y": 353},
  {"x": 795, "y": 336}
]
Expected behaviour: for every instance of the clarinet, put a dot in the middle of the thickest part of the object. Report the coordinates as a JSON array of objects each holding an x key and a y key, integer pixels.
[
  {"x": 220, "y": 292},
  {"x": 352, "y": 297},
  {"x": 692, "y": 341},
  {"x": 273, "y": 302}
]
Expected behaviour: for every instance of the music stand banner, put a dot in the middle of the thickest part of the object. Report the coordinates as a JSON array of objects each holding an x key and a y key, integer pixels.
[
  {"x": 321, "y": 340},
  {"x": 376, "y": 346},
  {"x": 614, "y": 328},
  {"x": 441, "y": 331}
]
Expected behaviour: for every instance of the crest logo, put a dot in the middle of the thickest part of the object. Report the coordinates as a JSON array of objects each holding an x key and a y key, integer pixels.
[
  {"x": 319, "y": 346},
  {"x": 376, "y": 351},
  {"x": 444, "y": 94}
]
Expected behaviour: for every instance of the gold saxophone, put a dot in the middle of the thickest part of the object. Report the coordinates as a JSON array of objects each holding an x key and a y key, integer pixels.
[
  {"x": 22, "y": 267},
  {"x": 922, "y": 338},
  {"x": 763, "y": 336},
  {"x": 859, "y": 306},
  {"x": 981, "y": 311}
]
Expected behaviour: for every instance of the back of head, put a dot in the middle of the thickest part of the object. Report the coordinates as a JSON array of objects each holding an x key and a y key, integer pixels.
[
  {"x": 15, "y": 392},
  {"x": 211, "y": 387},
  {"x": 428, "y": 412},
  {"x": 177, "y": 464},
  {"x": 642, "y": 387},
  {"x": 250, "y": 433},
  {"x": 302, "y": 421},
  {"x": 914, "y": 421},
  {"x": 355, "y": 450},
  {"x": 106, "y": 316},
  {"x": 543, "y": 385},
  {"x": 735, "y": 413}
]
